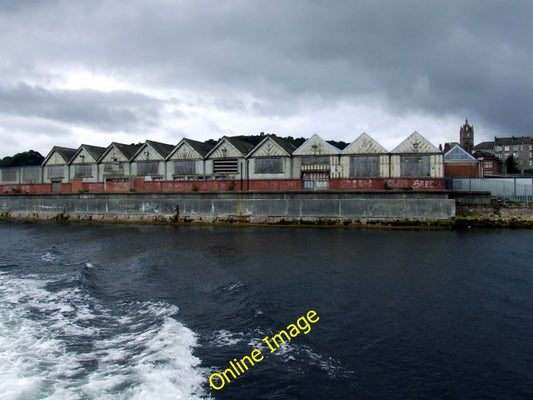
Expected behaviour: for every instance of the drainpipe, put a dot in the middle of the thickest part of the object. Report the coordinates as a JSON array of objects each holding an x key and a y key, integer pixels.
[{"x": 247, "y": 174}]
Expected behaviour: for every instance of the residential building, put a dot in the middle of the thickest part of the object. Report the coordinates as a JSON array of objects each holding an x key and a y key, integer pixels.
[
  {"x": 489, "y": 164},
  {"x": 485, "y": 147},
  {"x": 521, "y": 148}
]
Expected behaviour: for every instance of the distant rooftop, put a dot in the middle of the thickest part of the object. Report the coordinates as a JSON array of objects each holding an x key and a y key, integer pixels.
[
  {"x": 513, "y": 140},
  {"x": 484, "y": 146}
]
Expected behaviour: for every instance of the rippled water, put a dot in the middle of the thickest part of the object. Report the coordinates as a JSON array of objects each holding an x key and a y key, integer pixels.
[{"x": 138, "y": 312}]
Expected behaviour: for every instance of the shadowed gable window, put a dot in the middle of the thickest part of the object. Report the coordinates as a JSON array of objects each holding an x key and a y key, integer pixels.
[
  {"x": 184, "y": 167},
  {"x": 269, "y": 165},
  {"x": 315, "y": 160},
  {"x": 56, "y": 171},
  {"x": 414, "y": 165},
  {"x": 113, "y": 168},
  {"x": 82, "y": 171},
  {"x": 364, "y": 166},
  {"x": 147, "y": 168}
]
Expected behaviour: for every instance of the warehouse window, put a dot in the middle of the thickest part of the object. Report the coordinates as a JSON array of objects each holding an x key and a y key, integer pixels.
[
  {"x": 414, "y": 165},
  {"x": 147, "y": 168},
  {"x": 31, "y": 174},
  {"x": 364, "y": 166},
  {"x": 9, "y": 175},
  {"x": 184, "y": 167},
  {"x": 56, "y": 171},
  {"x": 113, "y": 168},
  {"x": 269, "y": 165},
  {"x": 82, "y": 171}
]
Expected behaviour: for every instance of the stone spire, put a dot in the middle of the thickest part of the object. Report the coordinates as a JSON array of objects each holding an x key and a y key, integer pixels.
[{"x": 466, "y": 137}]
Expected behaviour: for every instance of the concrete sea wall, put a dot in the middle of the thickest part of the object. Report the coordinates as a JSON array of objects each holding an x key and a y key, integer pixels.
[{"x": 252, "y": 207}]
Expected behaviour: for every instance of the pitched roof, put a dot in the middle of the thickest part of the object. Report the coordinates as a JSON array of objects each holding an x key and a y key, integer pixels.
[
  {"x": 458, "y": 154},
  {"x": 127, "y": 150},
  {"x": 163, "y": 149},
  {"x": 415, "y": 143},
  {"x": 513, "y": 140},
  {"x": 189, "y": 149},
  {"x": 66, "y": 153},
  {"x": 315, "y": 145},
  {"x": 200, "y": 147},
  {"x": 94, "y": 151},
  {"x": 287, "y": 146},
  {"x": 484, "y": 146},
  {"x": 281, "y": 144},
  {"x": 364, "y": 144},
  {"x": 241, "y": 148},
  {"x": 240, "y": 145},
  {"x": 485, "y": 154}
]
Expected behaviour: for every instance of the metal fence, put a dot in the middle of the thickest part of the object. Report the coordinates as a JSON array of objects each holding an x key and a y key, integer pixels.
[{"x": 515, "y": 189}]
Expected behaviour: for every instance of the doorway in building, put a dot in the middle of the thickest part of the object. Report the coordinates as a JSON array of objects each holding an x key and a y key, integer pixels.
[
  {"x": 315, "y": 180},
  {"x": 56, "y": 186}
]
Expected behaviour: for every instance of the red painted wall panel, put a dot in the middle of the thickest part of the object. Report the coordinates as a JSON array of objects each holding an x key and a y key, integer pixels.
[
  {"x": 29, "y": 188},
  {"x": 389, "y": 183},
  {"x": 275, "y": 185},
  {"x": 93, "y": 187},
  {"x": 470, "y": 170},
  {"x": 140, "y": 185},
  {"x": 357, "y": 184},
  {"x": 76, "y": 186},
  {"x": 116, "y": 187}
]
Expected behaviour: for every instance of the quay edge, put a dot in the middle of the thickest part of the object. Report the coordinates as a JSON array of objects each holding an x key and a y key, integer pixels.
[{"x": 312, "y": 208}]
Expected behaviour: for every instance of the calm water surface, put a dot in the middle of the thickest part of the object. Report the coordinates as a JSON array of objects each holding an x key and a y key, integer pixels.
[{"x": 135, "y": 312}]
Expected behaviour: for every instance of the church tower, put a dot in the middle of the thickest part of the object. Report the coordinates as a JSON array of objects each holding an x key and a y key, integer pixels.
[{"x": 466, "y": 137}]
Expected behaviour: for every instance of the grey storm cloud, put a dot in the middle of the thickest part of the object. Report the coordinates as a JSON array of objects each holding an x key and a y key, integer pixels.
[
  {"x": 468, "y": 58},
  {"x": 102, "y": 110}
]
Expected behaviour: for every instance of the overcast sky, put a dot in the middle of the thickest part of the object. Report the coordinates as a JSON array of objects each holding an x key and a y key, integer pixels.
[{"x": 94, "y": 72}]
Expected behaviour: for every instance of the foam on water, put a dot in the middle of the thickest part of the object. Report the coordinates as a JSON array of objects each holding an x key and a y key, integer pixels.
[
  {"x": 66, "y": 344},
  {"x": 224, "y": 337},
  {"x": 293, "y": 351}
]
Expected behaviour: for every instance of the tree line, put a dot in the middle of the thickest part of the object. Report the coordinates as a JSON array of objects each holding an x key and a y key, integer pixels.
[{"x": 23, "y": 159}]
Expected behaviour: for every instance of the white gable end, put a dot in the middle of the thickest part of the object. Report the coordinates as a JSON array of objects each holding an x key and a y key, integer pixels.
[
  {"x": 225, "y": 150},
  {"x": 185, "y": 152},
  {"x": 415, "y": 143},
  {"x": 147, "y": 153},
  {"x": 55, "y": 159},
  {"x": 83, "y": 157},
  {"x": 114, "y": 155},
  {"x": 269, "y": 148},
  {"x": 316, "y": 146},
  {"x": 364, "y": 144}
]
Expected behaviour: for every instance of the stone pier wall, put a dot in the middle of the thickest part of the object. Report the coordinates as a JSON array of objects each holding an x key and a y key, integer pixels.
[{"x": 254, "y": 207}]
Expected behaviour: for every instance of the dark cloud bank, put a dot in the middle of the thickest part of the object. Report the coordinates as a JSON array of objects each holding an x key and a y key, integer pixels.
[{"x": 460, "y": 58}]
